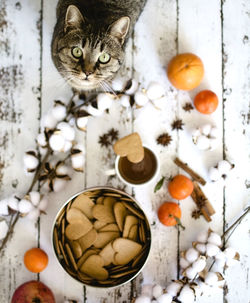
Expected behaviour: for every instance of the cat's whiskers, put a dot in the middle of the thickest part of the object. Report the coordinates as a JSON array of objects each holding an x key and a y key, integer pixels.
[{"x": 110, "y": 89}]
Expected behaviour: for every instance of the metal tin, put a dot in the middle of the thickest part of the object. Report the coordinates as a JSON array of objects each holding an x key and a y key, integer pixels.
[{"x": 117, "y": 191}]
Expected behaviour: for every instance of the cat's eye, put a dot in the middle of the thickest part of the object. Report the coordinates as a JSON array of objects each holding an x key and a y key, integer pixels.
[
  {"x": 76, "y": 52},
  {"x": 104, "y": 58}
]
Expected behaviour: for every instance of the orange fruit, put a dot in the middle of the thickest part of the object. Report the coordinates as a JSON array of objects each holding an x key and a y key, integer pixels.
[
  {"x": 206, "y": 102},
  {"x": 35, "y": 259},
  {"x": 185, "y": 71},
  {"x": 169, "y": 213},
  {"x": 180, "y": 187}
]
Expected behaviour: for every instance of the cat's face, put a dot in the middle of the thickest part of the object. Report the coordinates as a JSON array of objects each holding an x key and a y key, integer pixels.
[{"x": 85, "y": 58}]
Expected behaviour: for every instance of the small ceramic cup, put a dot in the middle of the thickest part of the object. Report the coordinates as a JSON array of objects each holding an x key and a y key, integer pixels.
[{"x": 116, "y": 170}]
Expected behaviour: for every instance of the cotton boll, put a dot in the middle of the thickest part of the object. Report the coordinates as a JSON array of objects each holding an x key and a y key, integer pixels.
[
  {"x": 174, "y": 288},
  {"x": 25, "y": 206},
  {"x": 201, "y": 248},
  {"x": 59, "y": 111},
  {"x": 13, "y": 203},
  {"x": 3, "y": 229},
  {"x": 34, "y": 197},
  {"x": 186, "y": 295},
  {"x": 206, "y": 129},
  {"x": 211, "y": 278},
  {"x": 219, "y": 263},
  {"x": 199, "y": 264},
  {"x": 190, "y": 273},
  {"x": 230, "y": 252},
  {"x": 58, "y": 184},
  {"x": 224, "y": 167},
  {"x": 214, "y": 132},
  {"x": 191, "y": 255},
  {"x": 213, "y": 143},
  {"x": 30, "y": 160},
  {"x": 118, "y": 84},
  {"x": 66, "y": 131},
  {"x": 43, "y": 204},
  {"x": 133, "y": 87},
  {"x": 196, "y": 133},
  {"x": 184, "y": 263},
  {"x": 78, "y": 161},
  {"x": 214, "y": 239},
  {"x": 155, "y": 91},
  {"x": 220, "y": 256},
  {"x": 147, "y": 290},
  {"x": 94, "y": 111},
  {"x": 49, "y": 121},
  {"x": 81, "y": 122},
  {"x": 125, "y": 101},
  {"x": 141, "y": 98},
  {"x": 104, "y": 101},
  {"x": 203, "y": 143},
  {"x": 202, "y": 236},
  {"x": 157, "y": 291},
  {"x": 165, "y": 298},
  {"x": 57, "y": 142},
  {"x": 67, "y": 146},
  {"x": 214, "y": 174},
  {"x": 33, "y": 214},
  {"x": 231, "y": 262},
  {"x": 41, "y": 140},
  {"x": 160, "y": 103},
  {"x": 4, "y": 211},
  {"x": 143, "y": 299},
  {"x": 212, "y": 250}
]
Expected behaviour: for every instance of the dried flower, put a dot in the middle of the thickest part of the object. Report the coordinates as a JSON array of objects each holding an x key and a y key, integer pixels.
[
  {"x": 104, "y": 140},
  {"x": 177, "y": 124},
  {"x": 188, "y": 107},
  {"x": 196, "y": 213},
  {"x": 113, "y": 134},
  {"x": 55, "y": 175},
  {"x": 164, "y": 139}
]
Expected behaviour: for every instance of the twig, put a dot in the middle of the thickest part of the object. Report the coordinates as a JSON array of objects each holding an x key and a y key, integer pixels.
[
  {"x": 187, "y": 169},
  {"x": 10, "y": 231}
]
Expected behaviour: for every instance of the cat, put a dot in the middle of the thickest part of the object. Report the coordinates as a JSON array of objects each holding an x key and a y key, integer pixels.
[{"x": 89, "y": 39}]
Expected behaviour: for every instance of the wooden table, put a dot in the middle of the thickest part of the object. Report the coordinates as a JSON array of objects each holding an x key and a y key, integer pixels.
[{"x": 217, "y": 31}]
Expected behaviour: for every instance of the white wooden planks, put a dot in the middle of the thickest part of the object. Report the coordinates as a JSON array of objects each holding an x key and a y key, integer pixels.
[
  {"x": 236, "y": 79},
  {"x": 19, "y": 114},
  {"x": 165, "y": 27}
]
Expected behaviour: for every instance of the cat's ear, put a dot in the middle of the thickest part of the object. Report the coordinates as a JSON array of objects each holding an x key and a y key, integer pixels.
[
  {"x": 119, "y": 28},
  {"x": 73, "y": 18}
]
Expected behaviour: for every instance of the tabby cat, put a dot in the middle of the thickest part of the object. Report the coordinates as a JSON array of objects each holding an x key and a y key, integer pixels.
[{"x": 89, "y": 39}]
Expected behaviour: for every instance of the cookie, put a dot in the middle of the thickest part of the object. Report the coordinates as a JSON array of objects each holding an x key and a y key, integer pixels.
[
  {"x": 120, "y": 214},
  {"x": 93, "y": 267},
  {"x": 130, "y": 147},
  {"x": 103, "y": 238},
  {"x": 85, "y": 204},
  {"x": 88, "y": 239},
  {"x": 110, "y": 227},
  {"x": 129, "y": 222},
  {"x": 77, "y": 230},
  {"x": 125, "y": 250},
  {"x": 107, "y": 253},
  {"x": 104, "y": 212}
]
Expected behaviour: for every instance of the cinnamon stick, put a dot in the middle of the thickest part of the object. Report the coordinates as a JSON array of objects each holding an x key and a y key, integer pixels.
[
  {"x": 187, "y": 169},
  {"x": 202, "y": 202}
]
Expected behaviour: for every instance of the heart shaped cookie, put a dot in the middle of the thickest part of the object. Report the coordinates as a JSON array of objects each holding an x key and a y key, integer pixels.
[
  {"x": 120, "y": 214},
  {"x": 129, "y": 222},
  {"x": 85, "y": 256},
  {"x": 130, "y": 147},
  {"x": 107, "y": 253},
  {"x": 87, "y": 240},
  {"x": 93, "y": 267},
  {"x": 75, "y": 215},
  {"x": 76, "y": 230},
  {"x": 125, "y": 250},
  {"x": 103, "y": 238},
  {"x": 85, "y": 204},
  {"x": 104, "y": 212}
]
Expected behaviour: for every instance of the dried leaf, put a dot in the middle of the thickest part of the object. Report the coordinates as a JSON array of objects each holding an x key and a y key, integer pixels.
[{"x": 159, "y": 184}]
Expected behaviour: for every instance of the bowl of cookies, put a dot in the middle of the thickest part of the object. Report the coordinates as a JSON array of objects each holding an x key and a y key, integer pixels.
[{"x": 101, "y": 237}]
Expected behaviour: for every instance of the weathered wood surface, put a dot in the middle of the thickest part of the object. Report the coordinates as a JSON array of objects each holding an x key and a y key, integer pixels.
[{"x": 217, "y": 31}]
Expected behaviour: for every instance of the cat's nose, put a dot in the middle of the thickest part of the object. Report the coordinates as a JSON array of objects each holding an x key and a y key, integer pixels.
[{"x": 88, "y": 73}]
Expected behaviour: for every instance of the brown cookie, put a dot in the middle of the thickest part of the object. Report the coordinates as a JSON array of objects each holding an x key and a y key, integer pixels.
[
  {"x": 125, "y": 250},
  {"x": 130, "y": 147},
  {"x": 85, "y": 204},
  {"x": 93, "y": 267}
]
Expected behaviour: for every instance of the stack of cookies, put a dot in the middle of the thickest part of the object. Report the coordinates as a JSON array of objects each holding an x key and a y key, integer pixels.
[{"x": 102, "y": 238}]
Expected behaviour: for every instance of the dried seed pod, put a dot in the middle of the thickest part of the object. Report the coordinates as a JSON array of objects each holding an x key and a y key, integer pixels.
[
  {"x": 59, "y": 111},
  {"x": 141, "y": 98},
  {"x": 155, "y": 91},
  {"x": 30, "y": 161},
  {"x": 104, "y": 101}
]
